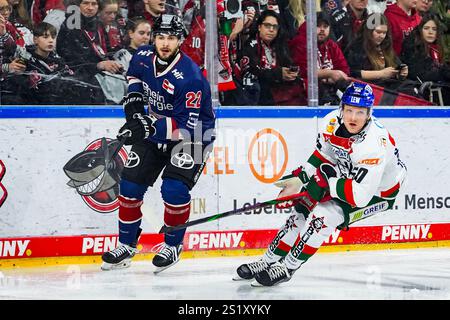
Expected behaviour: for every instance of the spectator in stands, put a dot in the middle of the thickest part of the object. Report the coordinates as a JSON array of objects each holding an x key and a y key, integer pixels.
[
  {"x": 57, "y": 15},
  {"x": 113, "y": 28},
  {"x": 423, "y": 6},
  {"x": 84, "y": 47},
  {"x": 47, "y": 79},
  {"x": 332, "y": 70},
  {"x": 152, "y": 10},
  {"x": 41, "y": 8},
  {"x": 20, "y": 15},
  {"x": 346, "y": 22},
  {"x": 254, "y": 7},
  {"x": 403, "y": 18},
  {"x": 267, "y": 76},
  {"x": 422, "y": 51},
  {"x": 138, "y": 34},
  {"x": 16, "y": 34},
  {"x": 292, "y": 15},
  {"x": 10, "y": 65},
  {"x": 371, "y": 57},
  {"x": 442, "y": 9},
  {"x": 194, "y": 21}
]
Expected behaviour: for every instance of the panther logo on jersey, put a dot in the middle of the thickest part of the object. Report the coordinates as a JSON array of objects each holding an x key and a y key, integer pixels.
[{"x": 95, "y": 176}]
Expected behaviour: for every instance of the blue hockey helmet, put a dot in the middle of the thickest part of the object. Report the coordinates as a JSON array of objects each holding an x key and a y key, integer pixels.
[
  {"x": 169, "y": 24},
  {"x": 358, "y": 94}
]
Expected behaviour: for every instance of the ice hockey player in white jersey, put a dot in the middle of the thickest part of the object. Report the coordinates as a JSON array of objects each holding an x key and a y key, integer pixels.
[{"x": 354, "y": 172}]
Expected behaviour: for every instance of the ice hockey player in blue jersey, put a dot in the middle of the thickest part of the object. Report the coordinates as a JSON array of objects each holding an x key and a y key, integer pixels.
[{"x": 174, "y": 137}]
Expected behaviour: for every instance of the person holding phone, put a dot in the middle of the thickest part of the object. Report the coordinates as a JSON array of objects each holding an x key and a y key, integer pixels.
[
  {"x": 269, "y": 76},
  {"x": 9, "y": 64},
  {"x": 423, "y": 51},
  {"x": 371, "y": 56}
]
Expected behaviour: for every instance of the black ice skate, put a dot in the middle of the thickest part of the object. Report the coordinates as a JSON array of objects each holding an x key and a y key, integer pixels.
[
  {"x": 118, "y": 258},
  {"x": 248, "y": 271},
  {"x": 275, "y": 274},
  {"x": 166, "y": 257}
]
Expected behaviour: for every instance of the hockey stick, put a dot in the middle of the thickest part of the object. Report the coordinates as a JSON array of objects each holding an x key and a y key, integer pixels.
[
  {"x": 165, "y": 229},
  {"x": 121, "y": 140},
  {"x": 147, "y": 212}
]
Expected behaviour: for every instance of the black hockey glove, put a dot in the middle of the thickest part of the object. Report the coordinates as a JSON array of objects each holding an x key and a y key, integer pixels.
[
  {"x": 140, "y": 127},
  {"x": 133, "y": 103}
]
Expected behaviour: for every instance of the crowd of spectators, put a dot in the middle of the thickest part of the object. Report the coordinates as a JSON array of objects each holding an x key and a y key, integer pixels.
[{"x": 78, "y": 51}]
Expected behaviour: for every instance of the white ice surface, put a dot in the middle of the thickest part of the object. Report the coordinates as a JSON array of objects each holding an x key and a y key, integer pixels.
[{"x": 393, "y": 274}]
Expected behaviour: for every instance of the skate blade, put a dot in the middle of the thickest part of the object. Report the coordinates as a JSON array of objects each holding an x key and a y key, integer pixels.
[
  {"x": 237, "y": 277},
  {"x": 160, "y": 269},
  {"x": 110, "y": 266},
  {"x": 256, "y": 284}
]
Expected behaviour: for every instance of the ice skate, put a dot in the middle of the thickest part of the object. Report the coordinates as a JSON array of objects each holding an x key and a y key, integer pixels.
[
  {"x": 273, "y": 275},
  {"x": 118, "y": 258},
  {"x": 166, "y": 257},
  {"x": 248, "y": 271}
]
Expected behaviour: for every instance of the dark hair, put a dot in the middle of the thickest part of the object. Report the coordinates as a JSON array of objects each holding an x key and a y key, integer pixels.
[
  {"x": 42, "y": 28},
  {"x": 271, "y": 13},
  {"x": 323, "y": 17},
  {"x": 365, "y": 33},
  {"x": 133, "y": 23},
  {"x": 420, "y": 45},
  {"x": 279, "y": 42}
]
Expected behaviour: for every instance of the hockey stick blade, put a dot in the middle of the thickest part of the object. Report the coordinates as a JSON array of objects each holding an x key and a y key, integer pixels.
[{"x": 295, "y": 196}]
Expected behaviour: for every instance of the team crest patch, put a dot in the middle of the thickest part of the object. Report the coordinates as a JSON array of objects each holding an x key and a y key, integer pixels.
[{"x": 170, "y": 88}]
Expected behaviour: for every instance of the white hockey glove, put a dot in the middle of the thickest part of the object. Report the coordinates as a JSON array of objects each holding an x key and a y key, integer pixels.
[{"x": 291, "y": 184}]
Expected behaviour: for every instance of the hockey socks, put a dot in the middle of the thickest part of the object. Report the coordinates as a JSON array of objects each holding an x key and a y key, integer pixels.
[
  {"x": 175, "y": 215},
  {"x": 130, "y": 217}
]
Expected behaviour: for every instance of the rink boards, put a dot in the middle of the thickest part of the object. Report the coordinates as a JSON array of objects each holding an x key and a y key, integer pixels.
[{"x": 42, "y": 216}]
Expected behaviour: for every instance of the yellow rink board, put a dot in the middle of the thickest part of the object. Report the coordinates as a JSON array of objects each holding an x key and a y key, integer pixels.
[{"x": 53, "y": 261}]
